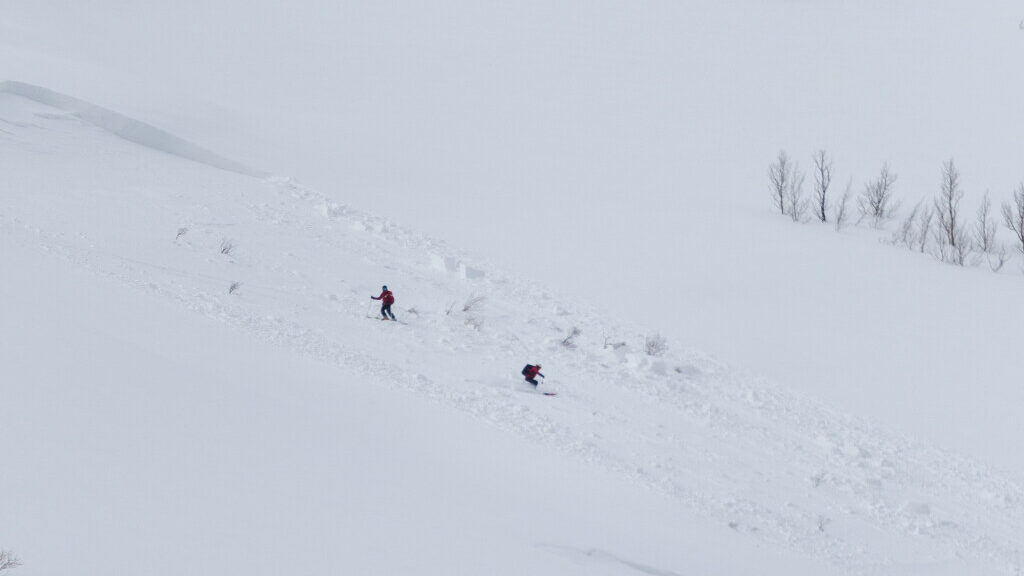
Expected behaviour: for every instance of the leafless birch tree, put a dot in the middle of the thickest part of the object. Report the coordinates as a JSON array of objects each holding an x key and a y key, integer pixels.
[
  {"x": 954, "y": 244},
  {"x": 841, "y": 213},
  {"x": 876, "y": 201},
  {"x": 924, "y": 227},
  {"x": 907, "y": 232},
  {"x": 984, "y": 227},
  {"x": 998, "y": 258},
  {"x": 1013, "y": 216},
  {"x": 796, "y": 204},
  {"x": 780, "y": 177},
  {"x": 822, "y": 182}
]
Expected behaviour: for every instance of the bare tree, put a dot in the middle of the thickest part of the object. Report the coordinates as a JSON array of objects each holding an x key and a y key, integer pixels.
[
  {"x": 907, "y": 232},
  {"x": 840, "y": 211},
  {"x": 822, "y": 182},
  {"x": 954, "y": 244},
  {"x": 876, "y": 201},
  {"x": 8, "y": 561},
  {"x": 780, "y": 175},
  {"x": 1013, "y": 216},
  {"x": 924, "y": 226},
  {"x": 796, "y": 204},
  {"x": 984, "y": 227},
  {"x": 998, "y": 258}
]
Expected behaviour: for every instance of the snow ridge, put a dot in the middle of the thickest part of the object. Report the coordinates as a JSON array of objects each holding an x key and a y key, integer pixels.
[{"x": 125, "y": 127}]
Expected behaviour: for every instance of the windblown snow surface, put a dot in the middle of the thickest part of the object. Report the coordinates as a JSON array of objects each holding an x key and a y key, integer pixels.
[{"x": 192, "y": 380}]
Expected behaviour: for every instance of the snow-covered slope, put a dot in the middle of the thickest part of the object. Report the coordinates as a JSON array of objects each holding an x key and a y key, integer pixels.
[
  {"x": 618, "y": 152},
  {"x": 139, "y": 438},
  {"x": 246, "y": 335}
]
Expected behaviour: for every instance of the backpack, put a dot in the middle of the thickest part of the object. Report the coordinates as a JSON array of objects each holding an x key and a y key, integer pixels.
[{"x": 526, "y": 369}]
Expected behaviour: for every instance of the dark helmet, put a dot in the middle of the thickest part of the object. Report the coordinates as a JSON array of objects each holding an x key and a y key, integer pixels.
[{"x": 383, "y": 287}]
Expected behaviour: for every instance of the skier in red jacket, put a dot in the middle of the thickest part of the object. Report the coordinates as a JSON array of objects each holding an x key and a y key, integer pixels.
[
  {"x": 386, "y": 300},
  {"x": 531, "y": 372}
]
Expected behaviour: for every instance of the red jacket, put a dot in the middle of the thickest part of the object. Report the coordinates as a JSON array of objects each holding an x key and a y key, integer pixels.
[
  {"x": 532, "y": 372},
  {"x": 386, "y": 296}
]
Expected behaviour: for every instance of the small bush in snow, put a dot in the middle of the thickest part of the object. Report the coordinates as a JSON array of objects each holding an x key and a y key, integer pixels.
[
  {"x": 226, "y": 247},
  {"x": 613, "y": 345},
  {"x": 570, "y": 340},
  {"x": 822, "y": 523},
  {"x": 473, "y": 303},
  {"x": 8, "y": 561},
  {"x": 234, "y": 287},
  {"x": 181, "y": 232},
  {"x": 655, "y": 345}
]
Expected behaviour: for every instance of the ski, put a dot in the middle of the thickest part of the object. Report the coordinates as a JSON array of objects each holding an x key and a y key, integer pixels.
[
  {"x": 535, "y": 391},
  {"x": 379, "y": 319}
]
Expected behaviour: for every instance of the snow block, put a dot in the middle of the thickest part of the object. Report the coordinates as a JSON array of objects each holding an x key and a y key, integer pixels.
[
  {"x": 331, "y": 210},
  {"x": 443, "y": 263},
  {"x": 470, "y": 273},
  {"x": 455, "y": 266}
]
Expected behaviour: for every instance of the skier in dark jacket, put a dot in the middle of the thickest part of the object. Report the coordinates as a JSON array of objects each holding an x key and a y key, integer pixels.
[
  {"x": 386, "y": 300},
  {"x": 531, "y": 372}
]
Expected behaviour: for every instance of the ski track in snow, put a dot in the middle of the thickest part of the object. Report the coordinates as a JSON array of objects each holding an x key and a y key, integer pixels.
[
  {"x": 744, "y": 452},
  {"x": 609, "y": 558}
]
